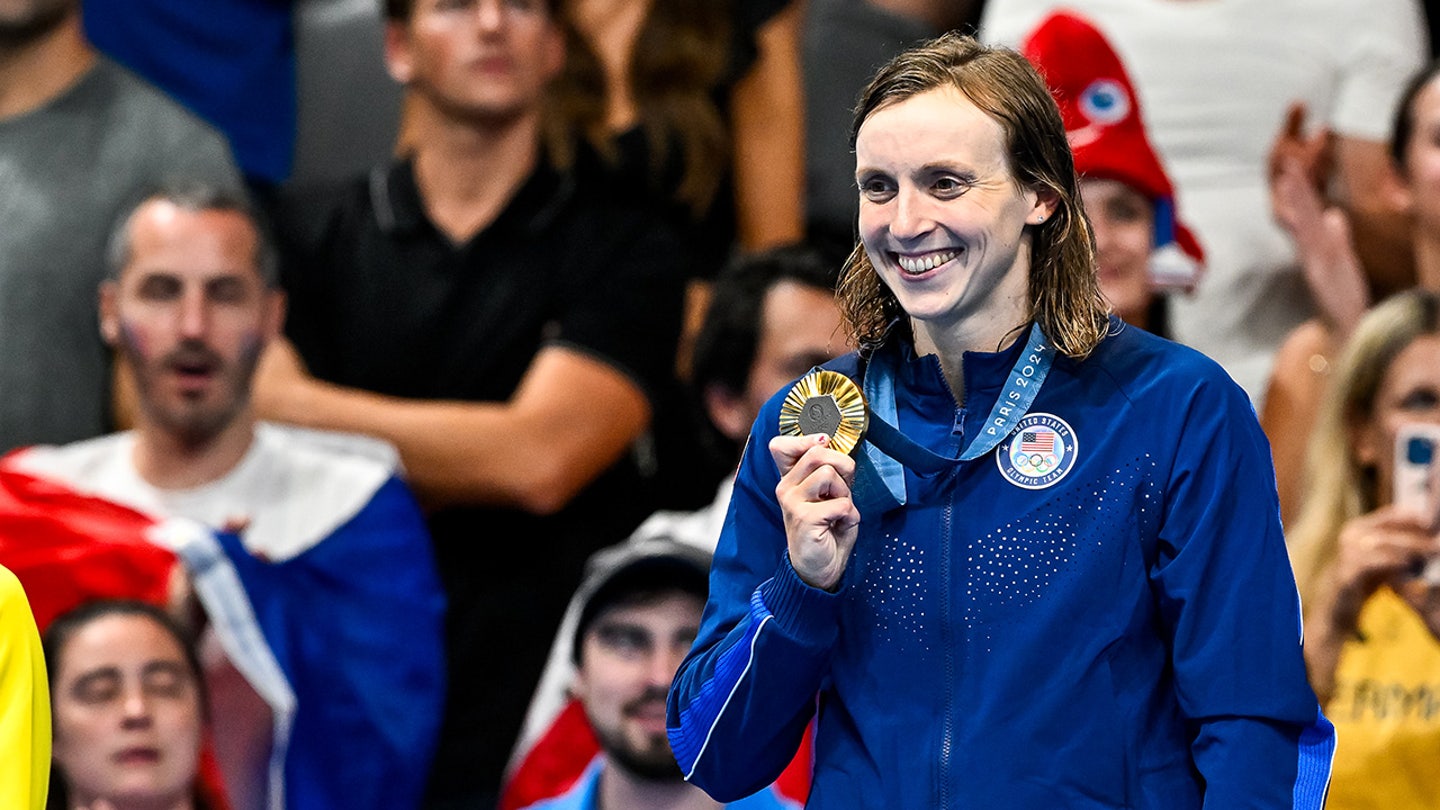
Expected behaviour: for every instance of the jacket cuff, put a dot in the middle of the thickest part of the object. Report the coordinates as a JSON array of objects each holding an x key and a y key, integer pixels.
[{"x": 807, "y": 614}]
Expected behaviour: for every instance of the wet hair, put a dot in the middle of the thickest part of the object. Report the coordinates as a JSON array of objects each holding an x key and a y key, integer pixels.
[
  {"x": 730, "y": 334},
  {"x": 195, "y": 197},
  {"x": 1065, "y": 297},
  {"x": 68, "y": 624},
  {"x": 1338, "y": 487},
  {"x": 1403, "y": 127}
]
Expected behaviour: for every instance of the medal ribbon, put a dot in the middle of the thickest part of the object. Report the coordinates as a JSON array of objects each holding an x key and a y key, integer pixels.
[{"x": 889, "y": 451}]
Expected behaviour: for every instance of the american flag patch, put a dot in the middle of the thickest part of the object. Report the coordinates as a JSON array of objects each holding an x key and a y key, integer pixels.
[{"x": 1034, "y": 441}]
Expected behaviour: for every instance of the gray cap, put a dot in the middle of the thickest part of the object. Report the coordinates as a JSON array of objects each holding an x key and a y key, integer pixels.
[{"x": 638, "y": 566}]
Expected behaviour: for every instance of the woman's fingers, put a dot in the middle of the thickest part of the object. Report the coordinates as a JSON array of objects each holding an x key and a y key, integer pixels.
[
  {"x": 798, "y": 456},
  {"x": 821, "y": 520},
  {"x": 1381, "y": 545}
]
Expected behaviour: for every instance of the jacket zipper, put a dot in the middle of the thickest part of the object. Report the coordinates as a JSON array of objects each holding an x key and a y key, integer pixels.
[
  {"x": 947, "y": 624},
  {"x": 947, "y": 727}
]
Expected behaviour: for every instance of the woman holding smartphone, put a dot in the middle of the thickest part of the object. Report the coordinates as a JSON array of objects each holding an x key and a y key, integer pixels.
[{"x": 1371, "y": 618}]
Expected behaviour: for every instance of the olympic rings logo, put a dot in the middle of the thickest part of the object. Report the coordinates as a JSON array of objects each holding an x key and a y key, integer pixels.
[{"x": 1035, "y": 463}]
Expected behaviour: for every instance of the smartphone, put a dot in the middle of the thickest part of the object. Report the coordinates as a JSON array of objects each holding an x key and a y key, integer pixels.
[{"x": 1417, "y": 479}]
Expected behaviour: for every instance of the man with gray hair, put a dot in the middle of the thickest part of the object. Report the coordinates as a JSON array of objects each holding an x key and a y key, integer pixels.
[{"x": 336, "y": 560}]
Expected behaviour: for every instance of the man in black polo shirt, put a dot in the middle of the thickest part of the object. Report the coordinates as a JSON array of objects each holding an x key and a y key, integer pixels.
[{"x": 504, "y": 328}]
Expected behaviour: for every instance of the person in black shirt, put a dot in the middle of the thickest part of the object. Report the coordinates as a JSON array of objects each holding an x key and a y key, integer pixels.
[{"x": 504, "y": 327}]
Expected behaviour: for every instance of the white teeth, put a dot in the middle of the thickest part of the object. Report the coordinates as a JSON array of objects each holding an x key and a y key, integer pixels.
[{"x": 924, "y": 263}]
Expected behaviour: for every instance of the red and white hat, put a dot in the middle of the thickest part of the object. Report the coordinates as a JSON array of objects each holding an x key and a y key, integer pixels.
[{"x": 1107, "y": 135}]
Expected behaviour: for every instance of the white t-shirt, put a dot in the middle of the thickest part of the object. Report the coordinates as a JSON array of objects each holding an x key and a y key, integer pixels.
[
  {"x": 1214, "y": 78},
  {"x": 293, "y": 486}
]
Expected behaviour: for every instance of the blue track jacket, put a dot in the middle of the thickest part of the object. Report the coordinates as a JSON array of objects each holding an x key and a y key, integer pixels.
[{"x": 1099, "y": 613}]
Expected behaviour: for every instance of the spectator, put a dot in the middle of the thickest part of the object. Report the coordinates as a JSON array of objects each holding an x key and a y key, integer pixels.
[
  {"x": 773, "y": 317},
  {"x": 693, "y": 108},
  {"x": 1371, "y": 623},
  {"x": 24, "y": 703},
  {"x": 639, "y": 608},
  {"x": 78, "y": 137},
  {"x": 695, "y": 104},
  {"x": 129, "y": 710},
  {"x": 1215, "y": 80},
  {"x": 1322, "y": 237},
  {"x": 1141, "y": 246},
  {"x": 505, "y": 326},
  {"x": 190, "y": 304}
]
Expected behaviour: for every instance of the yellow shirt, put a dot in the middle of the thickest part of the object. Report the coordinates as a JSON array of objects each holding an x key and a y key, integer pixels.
[
  {"x": 24, "y": 703},
  {"x": 1386, "y": 711}
]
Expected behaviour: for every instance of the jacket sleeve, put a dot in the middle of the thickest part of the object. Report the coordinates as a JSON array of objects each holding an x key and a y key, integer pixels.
[
  {"x": 1225, "y": 590},
  {"x": 742, "y": 698}
]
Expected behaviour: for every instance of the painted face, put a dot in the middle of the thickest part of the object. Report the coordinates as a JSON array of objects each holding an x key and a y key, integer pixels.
[
  {"x": 1410, "y": 392},
  {"x": 1422, "y": 157},
  {"x": 478, "y": 59},
  {"x": 630, "y": 656},
  {"x": 191, "y": 314},
  {"x": 127, "y": 714},
  {"x": 941, "y": 215},
  {"x": 1124, "y": 221}
]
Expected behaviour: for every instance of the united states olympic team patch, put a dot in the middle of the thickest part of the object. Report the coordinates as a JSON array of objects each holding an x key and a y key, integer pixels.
[{"x": 1038, "y": 452}]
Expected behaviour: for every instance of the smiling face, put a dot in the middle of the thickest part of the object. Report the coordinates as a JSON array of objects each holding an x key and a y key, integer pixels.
[
  {"x": 477, "y": 59},
  {"x": 630, "y": 655},
  {"x": 1124, "y": 223},
  {"x": 127, "y": 714},
  {"x": 942, "y": 217},
  {"x": 191, "y": 314}
]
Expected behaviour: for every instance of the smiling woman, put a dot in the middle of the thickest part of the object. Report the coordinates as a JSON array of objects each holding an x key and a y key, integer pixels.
[
  {"x": 1015, "y": 601},
  {"x": 942, "y": 219},
  {"x": 1027, "y": 200},
  {"x": 127, "y": 705}
]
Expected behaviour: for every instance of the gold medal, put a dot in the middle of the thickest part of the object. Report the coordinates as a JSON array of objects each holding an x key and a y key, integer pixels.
[{"x": 826, "y": 402}]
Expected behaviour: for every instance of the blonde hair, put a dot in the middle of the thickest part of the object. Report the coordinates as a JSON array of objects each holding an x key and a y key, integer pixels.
[
  {"x": 1338, "y": 487},
  {"x": 1065, "y": 296}
]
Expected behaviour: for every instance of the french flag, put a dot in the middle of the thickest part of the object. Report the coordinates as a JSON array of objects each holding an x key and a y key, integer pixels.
[{"x": 341, "y": 639}]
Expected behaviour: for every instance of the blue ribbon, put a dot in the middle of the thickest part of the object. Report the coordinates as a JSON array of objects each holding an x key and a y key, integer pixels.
[{"x": 880, "y": 475}]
